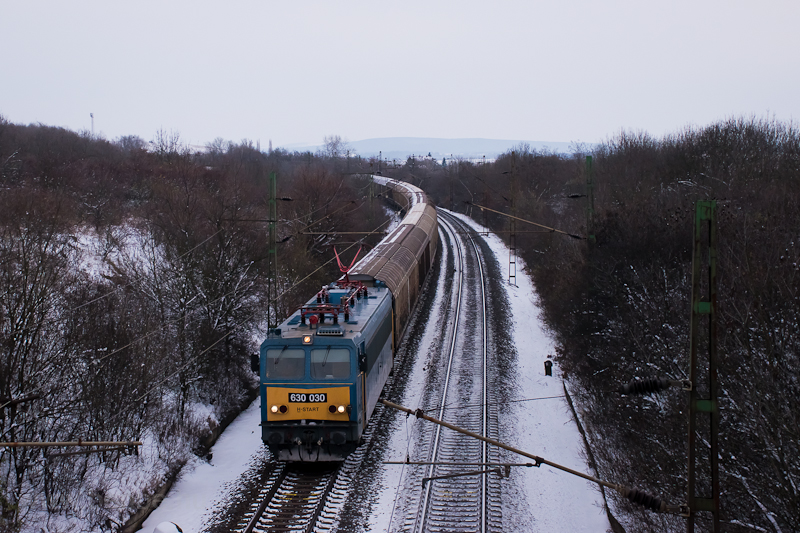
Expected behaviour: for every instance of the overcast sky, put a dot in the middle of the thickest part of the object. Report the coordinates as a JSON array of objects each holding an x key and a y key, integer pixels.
[{"x": 295, "y": 71}]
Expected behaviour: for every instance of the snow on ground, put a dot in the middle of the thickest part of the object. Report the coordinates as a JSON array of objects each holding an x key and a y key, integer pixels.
[
  {"x": 555, "y": 501},
  {"x": 403, "y": 431},
  {"x": 118, "y": 245},
  {"x": 544, "y": 499},
  {"x": 203, "y": 485}
]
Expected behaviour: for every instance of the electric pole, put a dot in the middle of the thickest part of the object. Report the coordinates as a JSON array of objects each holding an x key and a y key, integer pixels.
[
  {"x": 703, "y": 402},
  {"x": 512, "y": 249},
  {"x": 272, "y": 253}
]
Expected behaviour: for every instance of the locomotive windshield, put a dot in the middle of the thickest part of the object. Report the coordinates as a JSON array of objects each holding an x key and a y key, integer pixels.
[
  {"x": 286, "y": 363},
  {"x": 330, "y": 363}
]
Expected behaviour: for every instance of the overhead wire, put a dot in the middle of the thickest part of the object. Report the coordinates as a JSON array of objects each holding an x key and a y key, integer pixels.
[
  {"x": 130, "y": 283},
  {"x": 119, "y": 288},
  {"x": 223, "y": 337},
  {"x": 326, "y": 204},
  {"x": 492, "y": 188},
  {"x": 465, "y": 406},
  {"x": 235, "y": 327},
  {"x": 194, "y": 311},
  {"x": 197, "y": 310},
  {"x": 165, "y": 323},
  {"x": 328, "y": 215},
  {"x": 195, "y": 247},
  {"x": 167, "y": 280},
  {"x": 552, "y": 230}
]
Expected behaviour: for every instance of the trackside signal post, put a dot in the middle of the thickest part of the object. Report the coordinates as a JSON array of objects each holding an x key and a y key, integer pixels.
[{"x": 703, "y": 404}]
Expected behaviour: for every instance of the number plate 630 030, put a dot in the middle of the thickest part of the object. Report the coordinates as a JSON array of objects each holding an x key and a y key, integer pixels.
[{"x": 298, "y": 397}]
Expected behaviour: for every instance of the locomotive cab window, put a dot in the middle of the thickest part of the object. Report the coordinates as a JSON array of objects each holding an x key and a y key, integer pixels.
[
  {"x": 330, "y": 363},
  {"x": 286, "y": 363}
]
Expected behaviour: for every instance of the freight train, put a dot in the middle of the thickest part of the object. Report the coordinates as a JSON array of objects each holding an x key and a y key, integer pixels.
[{"x": 323, "y": 369}]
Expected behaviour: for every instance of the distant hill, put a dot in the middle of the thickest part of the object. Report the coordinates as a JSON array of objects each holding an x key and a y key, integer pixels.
[{"x": 404, "y": 147}]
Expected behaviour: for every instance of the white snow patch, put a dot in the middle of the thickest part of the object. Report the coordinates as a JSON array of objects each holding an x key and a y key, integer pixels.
[
  {"x": 98, "y": 255},
  {"x": 203, "y": 485},
  {"x": 556, "y": 501}
]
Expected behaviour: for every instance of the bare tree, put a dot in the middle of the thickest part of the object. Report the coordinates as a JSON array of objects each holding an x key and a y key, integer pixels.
[
  {"x": 168, "y": 146},
  {"x": 219, "y": 146},
  {"x": 335, "y": 146},
  {"x": 130, "y": 143},
  {"x": 36, "y": 361}
]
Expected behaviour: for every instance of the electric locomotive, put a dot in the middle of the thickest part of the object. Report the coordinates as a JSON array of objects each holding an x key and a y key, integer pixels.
[{"x": 323, "y": 369}]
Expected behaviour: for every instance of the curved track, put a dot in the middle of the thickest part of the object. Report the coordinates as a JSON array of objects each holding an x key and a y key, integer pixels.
[
  {"x": 459, "y": 374},
  {"x": 462, "y": 502}
]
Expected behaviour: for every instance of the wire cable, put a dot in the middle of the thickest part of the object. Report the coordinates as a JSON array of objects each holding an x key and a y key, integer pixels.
[
  {"x": 130, "y": 283},
  {"x": 451, "y": 406},
  {"x": 194, "y": 311},
  {"x": 226, "y": 335}
]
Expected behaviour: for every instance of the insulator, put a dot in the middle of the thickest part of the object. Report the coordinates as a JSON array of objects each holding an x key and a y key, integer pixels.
[
  {"x": 649, "y": 501},
  {"x": 645, "y": 386}
]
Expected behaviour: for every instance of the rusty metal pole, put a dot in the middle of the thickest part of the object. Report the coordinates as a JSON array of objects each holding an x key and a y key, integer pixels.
[{"x": 704, "y": 303}]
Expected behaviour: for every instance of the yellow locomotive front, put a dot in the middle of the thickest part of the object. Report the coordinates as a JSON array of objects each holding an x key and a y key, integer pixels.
[
  {"x": 322, "y": 371},
  {"x": 310, "y": 399},
  {"x": 291, "y": 402}
]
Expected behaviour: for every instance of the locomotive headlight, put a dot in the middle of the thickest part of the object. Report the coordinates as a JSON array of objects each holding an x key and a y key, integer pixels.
[
  {"x": 274, "y": 409},
  {"x": 341, "y": 409},
  {"x": 307, "y": 339}
]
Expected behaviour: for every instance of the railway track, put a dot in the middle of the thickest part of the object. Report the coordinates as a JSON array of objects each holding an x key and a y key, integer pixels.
[
  {"x": 305, "y": 498},
  {"x": 292, "y": 500},
  {"x": 457, "y": 493}
]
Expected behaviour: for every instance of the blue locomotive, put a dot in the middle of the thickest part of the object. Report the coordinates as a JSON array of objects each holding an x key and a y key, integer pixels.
[{"x": 323, "y": 369}]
